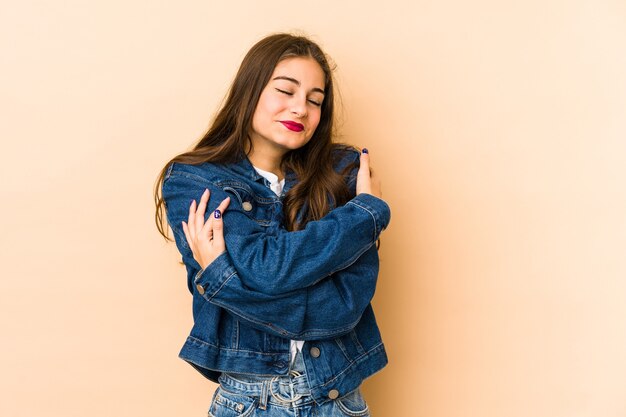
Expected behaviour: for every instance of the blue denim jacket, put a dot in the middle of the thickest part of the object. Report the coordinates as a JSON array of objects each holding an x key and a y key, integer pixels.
[{"x": 271, "y": 285}]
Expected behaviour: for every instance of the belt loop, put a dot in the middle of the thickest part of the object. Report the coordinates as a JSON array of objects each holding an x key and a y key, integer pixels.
[{"x": 264, "y": 394}]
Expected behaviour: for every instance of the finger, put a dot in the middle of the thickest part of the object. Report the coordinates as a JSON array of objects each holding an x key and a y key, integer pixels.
[
  {"x": 224, "y": 204},
  {"x": 199, "y": 220},
  {"x": 365, "y": 161},
  {"x": 208, "y": 227},
  {"x": 218, "y": 225},
  {"x": 363, "y": 175},
  {"x": 191, "y": 220},
  {"x": 186, "y": 232}
]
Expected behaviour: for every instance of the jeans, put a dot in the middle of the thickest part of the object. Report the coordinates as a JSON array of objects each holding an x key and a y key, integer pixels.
[{"x": 247, "y": 395}]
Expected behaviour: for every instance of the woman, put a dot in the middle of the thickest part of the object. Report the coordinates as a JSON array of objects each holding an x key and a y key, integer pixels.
[{"x": 282, "y": 318}]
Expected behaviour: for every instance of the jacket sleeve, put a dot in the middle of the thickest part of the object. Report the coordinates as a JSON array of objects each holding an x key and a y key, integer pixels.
[
  {"x": 329, "y": 308},
  {"x": 284, "y": 261}
]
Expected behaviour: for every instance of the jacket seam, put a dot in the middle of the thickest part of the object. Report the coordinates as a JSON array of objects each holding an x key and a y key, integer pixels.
[
  {"x": 370, "y": 213},
  {"x": 228, "y": 277},
  {"x": 222, "y": 348},
  {"x": 184, "y": 174}
]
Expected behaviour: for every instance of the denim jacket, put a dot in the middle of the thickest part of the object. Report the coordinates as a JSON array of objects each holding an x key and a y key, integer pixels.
[{"x": 272, "y": 285}]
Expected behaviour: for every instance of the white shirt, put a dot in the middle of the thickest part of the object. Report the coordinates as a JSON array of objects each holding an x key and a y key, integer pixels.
[{"x": 277, "y": 187}]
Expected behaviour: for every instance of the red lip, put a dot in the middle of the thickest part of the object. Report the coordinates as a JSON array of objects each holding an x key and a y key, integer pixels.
[{"x": 296, "y": 127}]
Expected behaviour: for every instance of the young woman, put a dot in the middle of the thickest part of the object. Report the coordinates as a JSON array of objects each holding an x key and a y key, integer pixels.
[{"x": 280, "y": 250}]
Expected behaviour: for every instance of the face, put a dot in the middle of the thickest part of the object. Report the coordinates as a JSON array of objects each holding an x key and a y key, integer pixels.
[{"x": 289, "y": 107}]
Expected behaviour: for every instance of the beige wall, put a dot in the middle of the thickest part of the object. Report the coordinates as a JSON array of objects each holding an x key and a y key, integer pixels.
[{"x": 498, "y": 130}]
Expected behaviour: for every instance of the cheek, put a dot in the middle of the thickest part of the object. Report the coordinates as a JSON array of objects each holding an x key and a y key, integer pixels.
[
  {"x": 272, "y": 104},
  {"x": 314, "y": 119},
  {"x": 257, "y": 118},
  {"x": 266, "y": 107}
]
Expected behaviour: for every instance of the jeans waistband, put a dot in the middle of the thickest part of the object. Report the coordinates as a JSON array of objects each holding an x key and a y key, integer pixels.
[{"x": 292, "y": 389}]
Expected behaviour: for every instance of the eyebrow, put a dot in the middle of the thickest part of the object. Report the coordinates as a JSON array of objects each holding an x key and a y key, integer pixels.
[{"x": 293, "y": 80}]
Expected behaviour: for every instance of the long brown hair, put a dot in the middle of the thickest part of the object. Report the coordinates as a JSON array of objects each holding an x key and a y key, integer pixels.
[{"x": 319, "y": 187}]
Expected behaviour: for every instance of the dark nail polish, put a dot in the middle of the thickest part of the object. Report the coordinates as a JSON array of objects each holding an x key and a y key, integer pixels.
[
  {"x": 365, "y": 150},
  {"x": 217, "y": 214}
]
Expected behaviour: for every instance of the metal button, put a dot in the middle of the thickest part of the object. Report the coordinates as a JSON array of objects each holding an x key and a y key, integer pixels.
[
  {"x": 240, "y": 407},
  {"x": 333, "y": 393},
  {"x": 315, "y": 352},
  {"x": 200, "y": 289},
  {"x": 247, "y": 206}
]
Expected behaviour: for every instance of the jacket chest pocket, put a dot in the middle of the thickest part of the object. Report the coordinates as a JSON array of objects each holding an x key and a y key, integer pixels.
[{"x": 258, "y": 208}]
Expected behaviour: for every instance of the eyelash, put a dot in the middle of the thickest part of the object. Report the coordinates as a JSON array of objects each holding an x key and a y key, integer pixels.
[{"x": 315, "y": 103}]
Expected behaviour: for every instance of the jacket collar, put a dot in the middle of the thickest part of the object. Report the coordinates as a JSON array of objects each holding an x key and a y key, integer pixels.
[{"x": 244, "y": 168}]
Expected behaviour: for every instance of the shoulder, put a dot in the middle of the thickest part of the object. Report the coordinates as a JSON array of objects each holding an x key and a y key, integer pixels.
[
  {"x": 184, "y": 179},
  {"x": 201, "y": 171},
  {"x": 210, "y": 172}
]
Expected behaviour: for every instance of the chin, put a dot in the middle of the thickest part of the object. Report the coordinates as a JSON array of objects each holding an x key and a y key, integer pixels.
[{"x": 292, "y": 144}]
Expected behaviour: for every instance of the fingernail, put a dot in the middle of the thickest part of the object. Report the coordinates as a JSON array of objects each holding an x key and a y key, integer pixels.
[
  {"x": 365, "y": 150},
  {"x": 192, "y": 201},
  {"x": 217, "y": 214}
]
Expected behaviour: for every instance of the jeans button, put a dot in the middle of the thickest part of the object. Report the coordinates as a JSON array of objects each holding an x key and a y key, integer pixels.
[
  {"x": 333, "y": 393},
  {"x": 315, "y": 352},
  {"x": 247, "y": 206},
  {"x": 200, "y": 289}
]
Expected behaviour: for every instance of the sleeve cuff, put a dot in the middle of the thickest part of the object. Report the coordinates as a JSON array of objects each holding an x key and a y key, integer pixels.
[{"x": 209, "y": 281}]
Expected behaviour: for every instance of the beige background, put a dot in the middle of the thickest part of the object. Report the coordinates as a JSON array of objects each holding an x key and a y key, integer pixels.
[{"x": 498, "y": 129}]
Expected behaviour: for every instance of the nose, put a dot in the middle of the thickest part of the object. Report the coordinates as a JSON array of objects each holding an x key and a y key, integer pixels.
[{"x": 298, "y": 107}]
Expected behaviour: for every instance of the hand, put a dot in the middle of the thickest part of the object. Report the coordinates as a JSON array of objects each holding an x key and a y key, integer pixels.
[
  {"x": 366, "y": 181},
  {"x": 206, "y": 239}
]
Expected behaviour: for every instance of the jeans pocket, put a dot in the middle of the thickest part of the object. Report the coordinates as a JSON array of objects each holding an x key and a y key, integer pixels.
[
  {"x": 230, "y": 404},
  {"x": 353, "y": 404}
]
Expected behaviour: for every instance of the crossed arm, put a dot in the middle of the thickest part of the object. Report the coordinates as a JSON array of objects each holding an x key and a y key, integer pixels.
[{"x": 327, "y": 304}]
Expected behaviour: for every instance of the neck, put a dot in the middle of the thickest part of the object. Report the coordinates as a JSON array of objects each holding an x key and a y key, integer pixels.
[{"x": 268, "y": 159}]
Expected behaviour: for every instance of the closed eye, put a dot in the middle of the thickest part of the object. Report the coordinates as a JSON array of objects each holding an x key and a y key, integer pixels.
[{"x": 315, "y": 103}]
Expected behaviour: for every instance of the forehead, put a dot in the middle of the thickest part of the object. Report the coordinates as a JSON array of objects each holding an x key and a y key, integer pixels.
[{"x": 304, "y": 69}]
